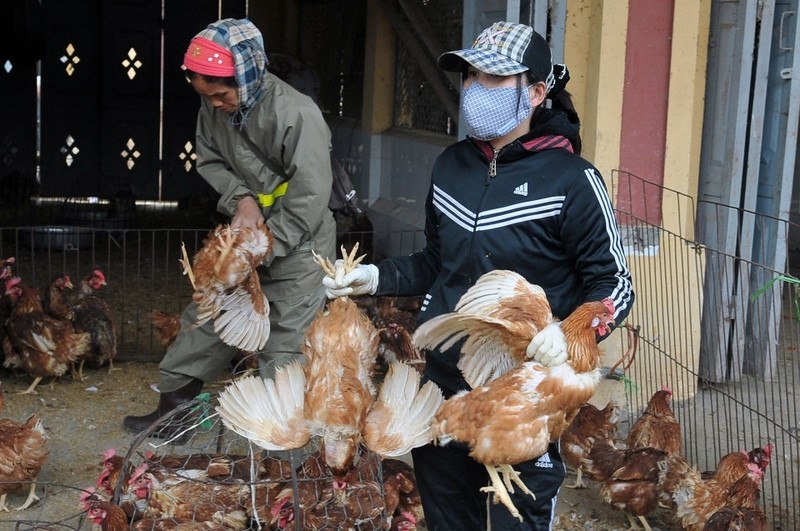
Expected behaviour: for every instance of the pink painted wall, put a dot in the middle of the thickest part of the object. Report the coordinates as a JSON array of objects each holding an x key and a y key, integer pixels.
[{"x": 644, "y": 107}]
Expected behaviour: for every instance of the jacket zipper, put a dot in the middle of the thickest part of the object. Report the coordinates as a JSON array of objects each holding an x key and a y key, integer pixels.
[
  {"x": 489, "y": 176},
  {"x": 492, "y": 166}
]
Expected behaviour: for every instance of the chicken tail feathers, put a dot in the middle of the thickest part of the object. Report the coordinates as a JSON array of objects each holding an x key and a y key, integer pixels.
[
  {"x": 494, "y": 287},
  {"x": 441, "y": 332},
  {"x": 267, "y": 412},
  {"x": 78, "y": 344},
  {"x": 401, "y": 416}
]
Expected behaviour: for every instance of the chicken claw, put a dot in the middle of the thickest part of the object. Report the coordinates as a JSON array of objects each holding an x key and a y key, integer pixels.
[
  {"x": 32, "y": 497},
  {"x": 501, "y": 487},
  {"x": 325, "y": 264},
  {"x": 187, "y": 265},
  {"x": 227, "y": 238},
  {"x": 349, "y": 260}
]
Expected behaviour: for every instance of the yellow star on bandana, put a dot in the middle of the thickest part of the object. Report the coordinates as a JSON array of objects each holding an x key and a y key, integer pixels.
[{"x": 197, "y": 51}]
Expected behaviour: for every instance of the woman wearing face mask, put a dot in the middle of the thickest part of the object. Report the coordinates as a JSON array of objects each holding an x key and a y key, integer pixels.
[{"x": 515, "y": 194}]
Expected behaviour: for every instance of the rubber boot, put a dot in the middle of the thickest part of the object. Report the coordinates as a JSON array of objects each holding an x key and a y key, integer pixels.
[{"x": 166, "y": 403}]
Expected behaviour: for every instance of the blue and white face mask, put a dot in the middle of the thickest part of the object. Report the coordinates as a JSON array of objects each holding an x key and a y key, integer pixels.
[{"x": 493, "y": 112}]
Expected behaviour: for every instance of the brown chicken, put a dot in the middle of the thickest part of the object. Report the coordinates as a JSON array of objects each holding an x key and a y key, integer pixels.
[
  {"x": 215, "y": 466},
  {"x": 333, "y": 396},
  {"x": 742, "y": 510},
  {"x": 226, "y": 286},
  {"x": 37, "y": 343},
  {"x": 115, "y": 474},
  {"x": 589, "y": 422},
  {"x": 510, "y": 416},
  {"x": 322, "y": 506},
  {"x": 6, "y": 272},
  {"x": 396, "y": 325},
  {"x": 109, "y": 516},
  {"x": 112, "y": 471},
  {"x": 696, "y": 500},
  {"x": 55, "y": 302},
  {"x": 102, "y": 513},
  {"x": 657, "y": 427},
  {"x": 409, "y": 503},
  {"x": 91, "y": 314},
  {"x": 23, "y": 452},
  {"x": 759, "y": 456},
  {"x": 190, "y": 495},
  {"x": 631, "y": 479},
  {"x": 167, "y": 326},
  {"x": 328, "y": 398},
  {"x": 498, "y": 316},
  {"x": 334, "y": 399},
  {"x": 403, "y": 522}
]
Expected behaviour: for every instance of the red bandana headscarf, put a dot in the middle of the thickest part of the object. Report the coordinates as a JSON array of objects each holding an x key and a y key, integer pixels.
[{"x": 206, "y": 57}]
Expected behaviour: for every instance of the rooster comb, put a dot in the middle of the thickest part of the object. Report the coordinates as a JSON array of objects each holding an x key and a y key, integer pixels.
[
  {"x": 609, "y": 305},
  {"x": 768, "y": 449},
  {"x": 86, "y": 495},
  {"x": 13, "y": 281},
  {"x": 137, "y": 473}
]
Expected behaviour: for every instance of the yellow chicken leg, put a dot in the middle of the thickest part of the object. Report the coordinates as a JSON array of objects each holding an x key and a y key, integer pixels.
[
  {"x": 187, "y": 265},
  {"x": 349, "y": 261},
  {"x": 642, "y": 519},
  {"x": 500, "y": 492},
  {"x": 31, "y": 390},
  {"x": 510, "y": 475},
  {"x": 325, "y": 264},
  {"x": 32, "y": 497},
  {"x": 579, "y": 483},
  {"x": 227, "y": 238}
]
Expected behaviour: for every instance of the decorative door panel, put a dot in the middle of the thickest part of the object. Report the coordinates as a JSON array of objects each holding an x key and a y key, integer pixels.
[
  {"x": 185, "y": 18},
  {"x": 17, "y": 129},
  {"x": 131, "y": 36},
  {"x": 117, "y": 115},
  {"x": 21, "y": 46},
  {"x": 71, "y": 98}
]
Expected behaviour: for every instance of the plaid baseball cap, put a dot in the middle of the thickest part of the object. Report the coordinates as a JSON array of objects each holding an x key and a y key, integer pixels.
[{"x": 504, "y": 49}]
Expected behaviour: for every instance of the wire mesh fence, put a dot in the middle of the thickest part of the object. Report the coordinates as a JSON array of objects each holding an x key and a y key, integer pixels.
[
  {"x": 722, "y": 332},
  {"x": 142, "y": 269}
]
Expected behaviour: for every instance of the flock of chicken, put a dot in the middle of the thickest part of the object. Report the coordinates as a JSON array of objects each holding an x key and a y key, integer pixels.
[
  {"x": 356, "y": 419},
  {"x": 45, "y": 337},
  {"x": 230, "y": 492},
  {"x": 650, "y": 472}
]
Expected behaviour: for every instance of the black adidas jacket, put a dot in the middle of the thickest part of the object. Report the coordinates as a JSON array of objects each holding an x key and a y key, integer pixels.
[{"x": 545, "y": 213}]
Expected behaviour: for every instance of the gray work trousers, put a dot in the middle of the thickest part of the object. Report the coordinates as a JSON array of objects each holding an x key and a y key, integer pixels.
[{"x": 198, "y": 352}]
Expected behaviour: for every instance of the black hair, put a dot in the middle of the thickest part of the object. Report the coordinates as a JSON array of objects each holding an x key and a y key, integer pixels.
[
  {"x": 561, "y": 101},
  {"x": 228, "y": 81}
]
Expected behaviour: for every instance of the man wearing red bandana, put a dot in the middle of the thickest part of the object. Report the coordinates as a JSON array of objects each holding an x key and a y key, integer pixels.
[{"x": 265, "y": 147}]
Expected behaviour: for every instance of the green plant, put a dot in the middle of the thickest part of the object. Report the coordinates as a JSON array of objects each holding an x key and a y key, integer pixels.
[{"x": 795, "y": 291}]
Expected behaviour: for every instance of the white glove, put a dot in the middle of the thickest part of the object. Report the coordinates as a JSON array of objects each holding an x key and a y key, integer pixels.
[
  {"x": 363, "y": 280},
  {"x": 548, "y": 347}
]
